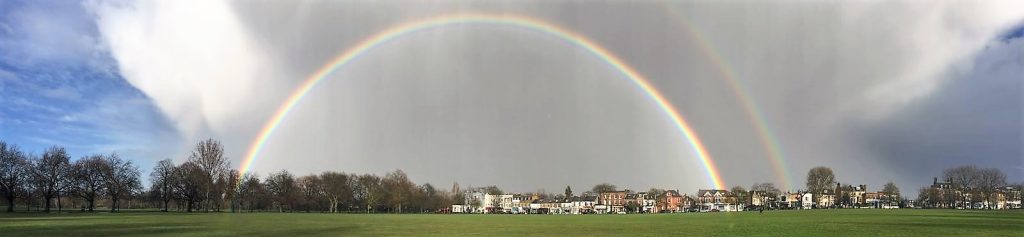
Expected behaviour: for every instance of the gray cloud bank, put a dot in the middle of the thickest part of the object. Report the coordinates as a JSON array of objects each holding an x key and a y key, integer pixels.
[{"x": 872, "y": 89}]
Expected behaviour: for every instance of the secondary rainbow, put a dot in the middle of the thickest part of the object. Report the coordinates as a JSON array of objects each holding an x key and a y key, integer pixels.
[
  {"x": 768, "y": 140},
  {"x": 498, "y": 19}
]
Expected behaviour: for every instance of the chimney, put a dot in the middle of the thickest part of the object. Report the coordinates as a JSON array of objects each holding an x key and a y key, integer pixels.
[{"x": 935, "y": 180}]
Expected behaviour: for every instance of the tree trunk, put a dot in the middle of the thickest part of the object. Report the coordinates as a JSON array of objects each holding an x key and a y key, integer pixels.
[
  {"x": 59, "y": 206},
  {"x": 47, "y": 207},
  {"x": 10, "y": 203}
]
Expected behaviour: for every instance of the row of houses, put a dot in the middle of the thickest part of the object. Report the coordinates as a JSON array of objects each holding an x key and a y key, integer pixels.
[
  {"x": 946, "y": 194},
  {"x": 711, "y": 200}
]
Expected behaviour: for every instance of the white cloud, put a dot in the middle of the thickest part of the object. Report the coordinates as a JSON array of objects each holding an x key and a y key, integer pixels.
[{"x": 193, "y": 58}]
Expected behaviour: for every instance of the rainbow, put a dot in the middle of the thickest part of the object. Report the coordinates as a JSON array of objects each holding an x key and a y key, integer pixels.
[
  {"x": 768, "y": 139},
  {"x": 498, "y": 19}
]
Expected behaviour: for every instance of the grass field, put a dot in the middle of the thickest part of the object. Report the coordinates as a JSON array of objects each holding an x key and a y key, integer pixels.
[{"x": 867, "y": 222}]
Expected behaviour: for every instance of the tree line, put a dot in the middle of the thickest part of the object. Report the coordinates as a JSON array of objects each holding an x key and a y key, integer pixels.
[
  {"x": 52, "y": 177},
  {"x": 206, "y": 182},
  {"x": 203, "y": 182}
]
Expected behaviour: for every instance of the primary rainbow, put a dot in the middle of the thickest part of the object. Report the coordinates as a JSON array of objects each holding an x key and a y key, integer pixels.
[
  {"x": 768, "y": 139},
  {"x": 498, "y": 19}
]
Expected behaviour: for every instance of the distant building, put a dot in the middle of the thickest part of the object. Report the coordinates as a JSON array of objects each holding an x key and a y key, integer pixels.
[
  {"x": 670, "y": 201},
  {"x": 615, "y": 201},
  {"x": 717, "y": 200},
  {"x": 806, "y": 200}
]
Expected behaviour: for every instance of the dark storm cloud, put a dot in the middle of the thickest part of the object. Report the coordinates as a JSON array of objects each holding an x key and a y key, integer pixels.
[{"x": 977, "y": 117}]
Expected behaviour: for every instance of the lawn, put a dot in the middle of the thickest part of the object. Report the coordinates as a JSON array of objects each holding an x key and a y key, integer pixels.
[{"x": 866, "y": 222}]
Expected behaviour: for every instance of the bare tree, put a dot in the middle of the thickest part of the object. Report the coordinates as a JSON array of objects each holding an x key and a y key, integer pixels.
[
  {"x": 767, "y": 188},
  {"x": 51, "y": 174},
  {"x": 14, "y": 173},
  {"x": 399, "y": 189},
  {"x": 309, "y": 187},
  {"x": 369, "y": 191},
  {"x": 603, "y": 188},
  {"x": 162, "y": 179},
  {"x": 336, "y": 189},
  {"x": 989, "y": 180},
  {"x": 209, "y": 156},
  {"x": 965, "y": 176},
  {"x": 88, "y": 176},
  {"x": 493, "y": 190},
  {"x": 231, "y": 188},
  {"x": 892, "y": 193},
  {"x": 187, "y": 183},
  {"x": 740, "y": 193},
  {"x": 250, "y": 191},
  {"x": 820, "y": 179},
  {"x": 282, "y": 188},
  {"x": 122, "y": 180}
]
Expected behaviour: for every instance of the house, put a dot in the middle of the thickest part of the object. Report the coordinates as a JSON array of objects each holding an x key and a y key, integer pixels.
[
  {"x": 583, "y": 205},
  {"x": 789, "y": 200},
  {"x": 826, "y": 199},
  {"x": 639, "y": 203},
  {"x": 670, "y": 201},
  {"x": 474, "y": 202},
  {"x": 1012, "y": 197},
  {"x": 717, "y": 200},
  {"x": 806, "y": 200},
  {"x": 615, "y": 201},
  {"x": 851, "y": 196},
  {"x": 761, "y": 198},
  {"x": 500, "y": 203}
]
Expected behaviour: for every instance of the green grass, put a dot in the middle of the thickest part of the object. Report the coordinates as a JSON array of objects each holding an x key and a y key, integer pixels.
[{"x": 867, "y": 222}]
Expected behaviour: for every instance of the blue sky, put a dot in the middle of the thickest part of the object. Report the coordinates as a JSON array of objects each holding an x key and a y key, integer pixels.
[{"x": 61, "y": 87}]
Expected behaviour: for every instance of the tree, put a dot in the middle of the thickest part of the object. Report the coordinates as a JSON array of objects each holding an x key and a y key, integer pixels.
[
  {"x": 493, "y": 190},
  {"x": 310, "y": 189},
  {"x": 988, "y": 181},
  {"x": 457, "y": 196},
  {"x": 51, "y": 174},
  {"x": 656, "y": 192},
  {"x": 891, "y": 192},
  {"x": 250, "y": 192},
  {"x": 568, "y": 191},
  {"x": 336, "y": 189},
  {"x": 209, "y": 156},
  {"x": 819, "y": 179},
  {"x": 162, "y": 178},
  {"x": 88, "y": 176},
  {"x": 368, "y": 191},
  {"x": 187, "y": 183},
  {"x": 740, "y": 193},
  {"x": 121, "y": 178},
  {"x": 231, "y": 188},
  {"x": 282, "y": 189},
  {"x": 14, "y": 173},
  {"x": 768, "y": 188},
  {"x": 965, "y": 176},
  {"x": 399, "y": 189},
  {"x": 603, "y": 188}
]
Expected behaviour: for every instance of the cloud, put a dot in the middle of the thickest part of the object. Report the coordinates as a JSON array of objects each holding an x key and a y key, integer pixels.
[
  {"x": 975, "y": 117},
  {"x": 491, "y": 104},
  {"x": 56, "y": 33},
  {"x": 191, "y": 57}
]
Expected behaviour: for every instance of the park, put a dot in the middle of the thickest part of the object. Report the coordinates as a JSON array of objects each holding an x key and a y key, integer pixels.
[{"x": 826, "y": 222}]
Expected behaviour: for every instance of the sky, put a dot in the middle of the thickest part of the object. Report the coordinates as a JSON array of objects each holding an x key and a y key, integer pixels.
[{"x": 878, "y": 90}]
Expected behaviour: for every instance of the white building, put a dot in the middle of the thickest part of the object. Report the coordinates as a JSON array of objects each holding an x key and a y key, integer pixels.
[{"x": 807, "y": 200}]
